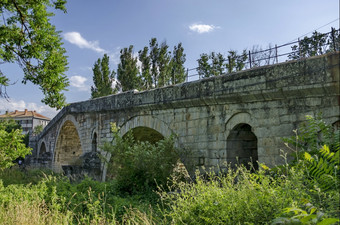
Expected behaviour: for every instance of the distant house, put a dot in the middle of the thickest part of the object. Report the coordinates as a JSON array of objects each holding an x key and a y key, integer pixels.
[{"x": 27, "y": 119}]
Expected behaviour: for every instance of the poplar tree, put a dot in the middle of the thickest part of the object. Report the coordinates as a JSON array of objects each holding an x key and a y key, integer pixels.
[
  {"x": 102, "y": 78},
  {"x": 203, "y": 68},
  {"x": 154, "y": 53},
  {"x": 177, "y": 69},
  {"x": 163, "y": 65},
  {"x": 215, "y": 64},
  {"x": 127, "y": 72},
  {"x": 146, "y": 76}
]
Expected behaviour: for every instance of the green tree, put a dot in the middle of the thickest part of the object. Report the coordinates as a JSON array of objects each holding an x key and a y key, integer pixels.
[
  {"x": 236, "y": 62},
  {"x": 177, "y": 68},
  {"x": 12, "y": 144},
  {"x": 127, "y": 72},
  {"x": 144, "y": 58},
  {"x": 154, "y": 53},
  {"x": 207, "y": 68},
  {"x": 102, "y": 78},
  {"x": 203, "y": 68},
  {"x": 29, "y": 39},
  {"x": 217, "y": 67},
  {"x": 163, "y": 65},
  {"x": 317, "y": 44},
  {"x": 215, "y": 64},
  {"x": 37, "y": 130}
]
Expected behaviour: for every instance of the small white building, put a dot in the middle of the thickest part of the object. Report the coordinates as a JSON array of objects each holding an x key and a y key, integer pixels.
[{"x": 27, "y": 119}]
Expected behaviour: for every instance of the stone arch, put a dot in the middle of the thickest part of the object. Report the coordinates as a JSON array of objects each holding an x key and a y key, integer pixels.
[
  {"x": 42, "y": 150},
  {"x": 146, "y": 134},
  {"x": 146, "y": 121},
  {"x": 68, "y": 147},
  {"x": 241, "y": 140},
  {"x": 145, "y": 128}
]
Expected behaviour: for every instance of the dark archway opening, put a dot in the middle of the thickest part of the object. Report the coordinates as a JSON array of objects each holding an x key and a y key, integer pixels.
[
  {"x": 44, "y": 156},
  {"x": 94, "y": 142},
  {"x": 144, "y": 134},
  {"x": 42, "y": 150},
  {"x": 242, "y": 147}
]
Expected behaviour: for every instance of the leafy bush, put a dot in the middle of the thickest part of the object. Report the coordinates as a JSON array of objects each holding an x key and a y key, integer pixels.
[
  {"x": 238, "y": 197},
  {"x": 140, "y": 166},
  {"x": 311, "y": 215},
  {"x": 15, "y": 175},
  {"x": 12, "y": 144},
  {"x": 312, "y": 135}
]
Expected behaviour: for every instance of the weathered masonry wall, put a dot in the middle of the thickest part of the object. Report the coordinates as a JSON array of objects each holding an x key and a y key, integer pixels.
[{"x": 215, "y": 119}]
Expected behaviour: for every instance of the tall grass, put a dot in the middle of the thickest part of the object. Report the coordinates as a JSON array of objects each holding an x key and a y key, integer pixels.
[{"x": 294, "y": 193}]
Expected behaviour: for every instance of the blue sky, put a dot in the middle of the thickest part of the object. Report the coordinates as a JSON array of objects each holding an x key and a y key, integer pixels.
[{"x": 91, "y": 28}]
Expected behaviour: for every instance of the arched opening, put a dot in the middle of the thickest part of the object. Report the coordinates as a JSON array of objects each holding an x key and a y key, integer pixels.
[
  {"x": 242, "y": 147},
  {"x": 144, "y": 134},
  {"x": 168, "y": 158},
  {"x": 42, "y": 150},
  {"x": 44, "y": 156},
  {"x": 94, "y": 142},
  {"x": 68, "y": 148}
]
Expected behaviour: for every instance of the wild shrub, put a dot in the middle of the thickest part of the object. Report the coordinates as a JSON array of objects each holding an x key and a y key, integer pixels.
[
  {"x": 238, "y": 197},
  {"x": 15, "y": 175},
  {"x": 312, "y": 135},
  {"x": 140, "y": 167}
]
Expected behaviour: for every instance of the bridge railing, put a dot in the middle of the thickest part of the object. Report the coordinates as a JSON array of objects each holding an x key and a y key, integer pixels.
[{"x": 317, "y": 44}]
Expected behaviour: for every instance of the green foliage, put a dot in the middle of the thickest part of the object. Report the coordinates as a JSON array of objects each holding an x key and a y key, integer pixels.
[
  {"x": 177, "y": 69},
  {"x": 163, "y": 65},
  {"x": 102, "y": 78},
  {"x": 317, "y": 152},
  {"x": 295, "y": 215},
  {"x": 312, "y": 135},
  {"x": 140, "y": 166},
  {"x": 127, "y": 70},
  {"x": 37, "y": 130},
  {"x": 317, "y": 44},
  {"x": 324, "y": 168},
  {"x": 146, "y": 76},
  {"x": 219, "y": 65},
  {"x": 28, "y": 38},
  {"x": 86, "y": 202},
  {"x": 159, "y": 68},
  {"x": 11, "y": 143},
  {"x": 14, "y": 175},
  {"x": 238, "y": 197}
]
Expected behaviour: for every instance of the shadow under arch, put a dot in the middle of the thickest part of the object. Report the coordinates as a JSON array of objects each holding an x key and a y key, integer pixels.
[
  {"x": 147, "y": 121},
  {"x": 242, "y": 147},
  {"x": 68, "y": 148},
  {"x": 146, "y": 128},
  {"x": 42, "y": 150},
  {"x": 143, "y": 134},
  {"x": 241, "y": 141}
]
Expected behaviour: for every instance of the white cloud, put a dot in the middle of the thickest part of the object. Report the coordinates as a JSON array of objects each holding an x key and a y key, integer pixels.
[
  {"x": 202, "y": 28},
  {"x": 115, "y": 56},
  {"x": 76, "y": 39},
  {"x": 79, "y": 83},
  {"x": 21, "y": 105}
]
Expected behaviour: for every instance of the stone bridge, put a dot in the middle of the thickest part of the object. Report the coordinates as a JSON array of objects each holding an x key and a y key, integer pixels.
[{"x": 232, "y": 118}]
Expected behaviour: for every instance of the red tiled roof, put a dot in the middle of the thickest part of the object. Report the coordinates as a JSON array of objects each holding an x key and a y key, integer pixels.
[{"x": 26, "y": 113}]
